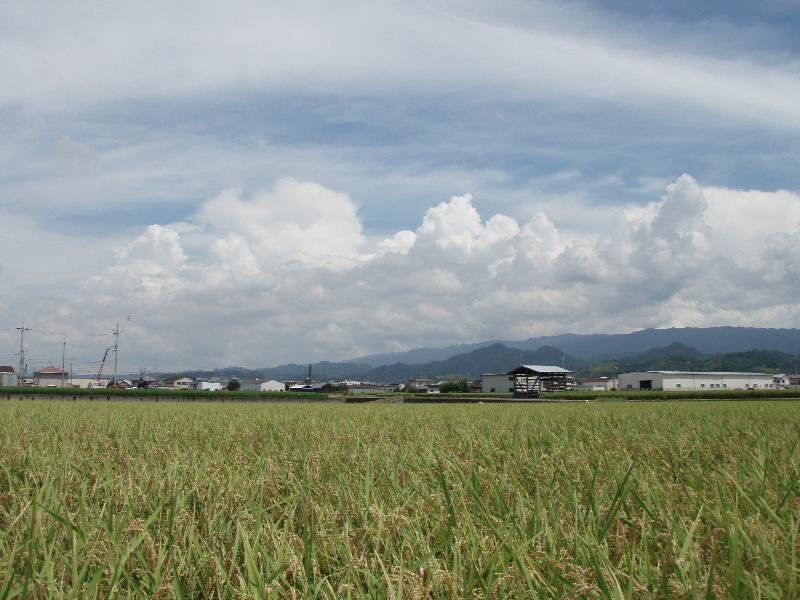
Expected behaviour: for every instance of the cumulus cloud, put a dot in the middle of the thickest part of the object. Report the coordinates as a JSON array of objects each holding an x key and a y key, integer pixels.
[
  {"x": 458, "y": 277},
  {"x": 294, "y": 221}
]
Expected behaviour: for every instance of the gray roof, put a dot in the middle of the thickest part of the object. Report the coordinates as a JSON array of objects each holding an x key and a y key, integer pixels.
[
  {"x": 546, "y": 369},
  {"x": 729, "y": 373}
]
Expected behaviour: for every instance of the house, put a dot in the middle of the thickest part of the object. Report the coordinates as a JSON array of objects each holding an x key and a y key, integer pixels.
[
  {"x": 183, "y": 383},
  {"x": 8, "y": 377},
  {"x": 421, "y": 385},
  {"x": 50, "y": 377},
  {"x": 695, "y": 380}
]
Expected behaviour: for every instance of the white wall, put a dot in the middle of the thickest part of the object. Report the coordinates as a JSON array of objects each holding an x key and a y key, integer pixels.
[
  {"x": 8, "y": 379},
  {"x": 697, "y": 382},
  {"x": 209, "y": 386},
  {"x": 273, "y": 386},
  {"x": 497, "y": 384},
  {"x": 86, "y": 382}
]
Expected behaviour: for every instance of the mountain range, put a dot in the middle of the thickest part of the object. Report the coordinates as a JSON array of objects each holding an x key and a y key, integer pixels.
[
  {"x": 599, "y": 347},
  {"x": 742, "y": 349}
]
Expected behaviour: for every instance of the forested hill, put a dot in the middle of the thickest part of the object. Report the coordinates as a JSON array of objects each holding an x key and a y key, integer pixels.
[
  {"x": 766, "y": 361},
  {"x": 496, "y": 358}
]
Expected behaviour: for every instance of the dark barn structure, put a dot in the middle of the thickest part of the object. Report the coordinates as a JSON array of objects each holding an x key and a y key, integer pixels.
[{"x": 531, "y": 380}]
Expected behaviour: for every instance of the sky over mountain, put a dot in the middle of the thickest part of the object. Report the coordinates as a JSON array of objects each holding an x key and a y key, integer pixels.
[{"x": 263, "y": 182}]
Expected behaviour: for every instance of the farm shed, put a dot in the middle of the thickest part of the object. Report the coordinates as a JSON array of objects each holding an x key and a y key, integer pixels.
[
  {"x": 695, "y": 380},
  {"x": 527, "y": 380}
]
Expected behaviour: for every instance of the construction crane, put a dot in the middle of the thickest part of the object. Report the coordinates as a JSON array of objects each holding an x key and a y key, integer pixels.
[{"x": 102, "y": 364}]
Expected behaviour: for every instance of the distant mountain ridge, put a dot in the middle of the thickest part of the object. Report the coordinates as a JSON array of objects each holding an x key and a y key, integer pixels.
[
  {"x": 660, "y": 359},
  {"x": 754, "y": 349},
  {"x": 598, "y": 347},
  {"x": 496, "y": 358}
]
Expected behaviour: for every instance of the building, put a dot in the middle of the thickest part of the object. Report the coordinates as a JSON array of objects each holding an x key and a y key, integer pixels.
[
  {"x": 208, "y": 386},
  {"x": 421, "y": 385},
  {"x": 86, "y": 382},
  {"x": 496, "y": 383},
  {"x": 596, "y": 384},
  {"x": 183, "y": 383},
  {"x": 260, "y": 385},
  {"x": 50, "y": 377},
  {"x": 8, "y": 377},
  {"x": 695, "y": 381},
  {"x": 367, "y": 387},
  {"x": 527, "y": 380},
  {"x": 301, "y": 387}
]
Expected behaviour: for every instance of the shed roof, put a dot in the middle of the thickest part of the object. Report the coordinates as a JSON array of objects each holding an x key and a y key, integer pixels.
[
  {"x": 550, "y": 369},
  {"x": 713, "y": 373},
  {"x": 50, "y": 371}
]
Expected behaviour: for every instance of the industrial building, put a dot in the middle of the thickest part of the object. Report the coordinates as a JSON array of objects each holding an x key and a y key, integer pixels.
[
  {"x": 8, "y": 378},
  {"x": 50, "y": 377},
  {"x": 260, "y": 385},
  {"x": 597, "y": 384},
  {"x": 695, "y": 381}
]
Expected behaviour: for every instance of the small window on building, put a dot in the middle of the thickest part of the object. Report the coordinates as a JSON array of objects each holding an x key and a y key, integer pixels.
[
  {"x": 702, "y": 385},
  {"x": 629, "y": 386},
  {"x": 492, "y": 389},
  {"x": 677, "y": 385}
]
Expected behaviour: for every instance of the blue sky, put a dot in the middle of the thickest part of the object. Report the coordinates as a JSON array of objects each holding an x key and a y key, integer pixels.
[{"x": 116, "y": 118}]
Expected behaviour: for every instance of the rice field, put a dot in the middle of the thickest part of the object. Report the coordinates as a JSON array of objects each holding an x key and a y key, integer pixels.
[{"x": 598, "y": 500}]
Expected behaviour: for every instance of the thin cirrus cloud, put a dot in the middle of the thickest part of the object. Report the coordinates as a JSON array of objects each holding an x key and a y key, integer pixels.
[{"x": 102, "y": 53}]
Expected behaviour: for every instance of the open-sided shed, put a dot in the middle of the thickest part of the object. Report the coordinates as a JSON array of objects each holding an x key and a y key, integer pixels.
[{"x": 531, "y": 380}]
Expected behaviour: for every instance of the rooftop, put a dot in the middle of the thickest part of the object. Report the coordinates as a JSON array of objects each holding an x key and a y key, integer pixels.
[
  {"x": 729, "y": 373},
  {"x": 543, "y": 369}
]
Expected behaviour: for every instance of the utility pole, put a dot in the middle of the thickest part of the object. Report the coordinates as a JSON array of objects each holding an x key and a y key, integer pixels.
[
  {"x": 70, "y": 375},
  {"x": 22, "y": 329},
  {"x": 116, "y": 350},
  {"x": 63, "y": 352}
]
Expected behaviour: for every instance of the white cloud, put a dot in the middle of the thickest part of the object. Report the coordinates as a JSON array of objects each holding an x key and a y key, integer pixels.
[
  {"x": 458, "y": 278},
  {"x": 92, "y": 55},
  {"x": 295, "y": 221},
  {"x": 400, "y": 243}
]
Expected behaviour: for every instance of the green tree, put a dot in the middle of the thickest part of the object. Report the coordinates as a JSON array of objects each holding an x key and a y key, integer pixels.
[
  {"x": 454, "y": 385},
  {"x": 233, "y": 385}
]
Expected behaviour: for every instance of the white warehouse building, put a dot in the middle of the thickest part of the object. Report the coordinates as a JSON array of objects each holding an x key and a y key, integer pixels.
[
  {"x": 259, "y": 385},
  {"x": 676, "y": 381}
]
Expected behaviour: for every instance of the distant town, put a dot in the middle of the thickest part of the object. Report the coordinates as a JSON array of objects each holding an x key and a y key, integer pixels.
[{"x": 491, "y": 368}]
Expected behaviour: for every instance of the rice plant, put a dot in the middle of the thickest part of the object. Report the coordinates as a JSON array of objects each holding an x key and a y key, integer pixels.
[{"x": 610, "y": 500}]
